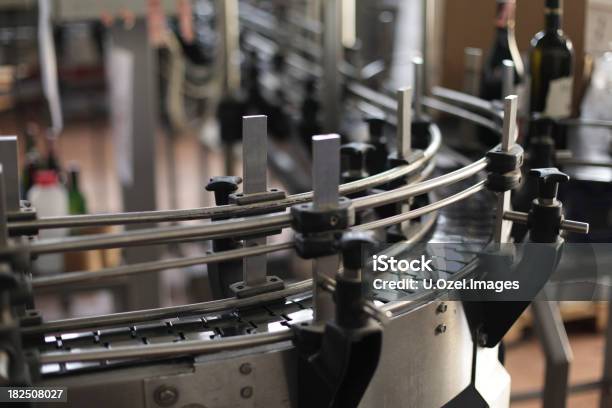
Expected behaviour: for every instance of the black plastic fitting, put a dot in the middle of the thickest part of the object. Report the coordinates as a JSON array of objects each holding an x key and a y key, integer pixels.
[
  {"x": 353, "y": 158},
  {"x": 223, "y": 187},
  {"x": 307, "y": 219},
  {"x": 546, "y": 212}
]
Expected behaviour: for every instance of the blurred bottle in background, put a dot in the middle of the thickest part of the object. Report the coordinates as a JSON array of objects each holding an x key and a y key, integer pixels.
[
  {"x": 32, "y": 158},
  {"x": 50, "y": 199},
  {"x": 551, "y": 66},
  {"x": 504, "y": 48},
  {"x": 77, "y": 202}
]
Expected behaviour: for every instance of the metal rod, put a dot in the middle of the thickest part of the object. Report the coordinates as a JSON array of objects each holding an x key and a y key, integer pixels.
[
  {"x": 575, "y": 226},
  {"x": 255, "y": 176},
  {"x": 473, "y": 68},
  {"x": 419, "y": 87},
  {"x": 325, "y": 180},
  {"x": 146, "y": 267},
  {"x": 423, "y": 210},
  {"x": 220, "y": 229},
  {"x": 332, "y": 57},
  {"x": 508, "y": 78},
  {"x": 468, "y": 101},
  {"x": 228, "y": 12},
  {"x": 116, "y": 319},
  {"x": 503, "y": 227},
  {"x": 464, "y": 114},
  {"x": 402, "y": 193},
  {"x": 567, "y": 225},
  {"x": 188, "y": 347},
  {"x": 404, "y": 123}
]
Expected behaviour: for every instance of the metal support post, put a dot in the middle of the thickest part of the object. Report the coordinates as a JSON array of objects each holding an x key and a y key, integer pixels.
[
  {"x": 325, "y": 180},
  {"x": 255, "y": 179},
  {"x": 508, "y": 78},
  {"x": 255, "y": 277},
  {"x": 404, "y": 140},
  {"x": 419, "y": 87},
  {"x": 332, "y": 58},
  {"x": 473, "y": 71},
  {"x": 8, "y": 159},
  {"x": 557, "y": 349},
  {"x": 503, "y": 227}
]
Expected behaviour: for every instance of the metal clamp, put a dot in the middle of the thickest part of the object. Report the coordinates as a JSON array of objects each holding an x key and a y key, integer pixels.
[{"x": 545, "y": 219}]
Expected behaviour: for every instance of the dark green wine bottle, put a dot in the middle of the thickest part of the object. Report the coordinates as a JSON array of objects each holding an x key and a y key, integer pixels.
[
  {"x": 504, "y": 48},
  {"x": 551, "y": 66},
  {"x": 76, "y": 199}
]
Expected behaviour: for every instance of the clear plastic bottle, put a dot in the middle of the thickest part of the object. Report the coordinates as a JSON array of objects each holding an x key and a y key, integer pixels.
[{"x": 50, "y": 199}]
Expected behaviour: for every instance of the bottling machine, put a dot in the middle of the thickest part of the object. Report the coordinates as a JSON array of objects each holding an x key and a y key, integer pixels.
[{"x": 332, "y": 340}]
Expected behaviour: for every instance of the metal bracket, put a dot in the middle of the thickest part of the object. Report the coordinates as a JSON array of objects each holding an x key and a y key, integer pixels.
[{"x": 255, "y": 187}]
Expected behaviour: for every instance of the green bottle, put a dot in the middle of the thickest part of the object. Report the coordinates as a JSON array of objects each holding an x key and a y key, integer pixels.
[{"x": 76, "y": 200}]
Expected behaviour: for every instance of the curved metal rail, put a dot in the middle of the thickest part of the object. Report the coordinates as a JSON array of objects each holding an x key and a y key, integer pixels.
[
  {"x": 224, "y": 304},
  {"x": 232, "y": 228},
  {"x": 148, "y": 217},
  {"x": 146, "y": 267}
]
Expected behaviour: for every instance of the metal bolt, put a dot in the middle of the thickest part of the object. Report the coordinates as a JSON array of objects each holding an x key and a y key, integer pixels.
[
  {"x": 441, "y": 329},
  {"x": 246, "y": 392},
  {"x": 246, "y": 369},
  {"x": 333, "y": 221},
  {"x": 442, "y": 308},
  {"x": 165, "y": 396}
]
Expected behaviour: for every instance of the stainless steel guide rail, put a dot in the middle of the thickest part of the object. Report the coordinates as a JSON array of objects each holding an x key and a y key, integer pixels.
[
  {"x": 147, "y": 217},
  {"x": 121, "y": 271},
  {"x": 230, "y": 228},
  {"x": 231, "y": 303}
]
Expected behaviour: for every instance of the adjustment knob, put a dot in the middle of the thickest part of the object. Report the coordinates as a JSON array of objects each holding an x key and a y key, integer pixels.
[
  {"x": 354, "y": 160},
  {"x": 223, "y": 186},
  {"x": 356, "y": 247},
  {"x": 548, "y": 181}
]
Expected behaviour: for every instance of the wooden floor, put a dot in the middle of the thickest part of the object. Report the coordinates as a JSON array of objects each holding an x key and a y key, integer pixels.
[{"x": 89, "y": 143}]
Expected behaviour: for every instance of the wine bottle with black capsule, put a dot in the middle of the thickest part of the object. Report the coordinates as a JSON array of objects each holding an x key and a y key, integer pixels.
[
  {"x": 551, "y": 66},
  {"x": 504, "y": 48}
]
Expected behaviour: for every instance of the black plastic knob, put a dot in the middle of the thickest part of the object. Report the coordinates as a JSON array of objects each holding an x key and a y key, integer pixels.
[
  {"x": 548, "y": 181},
  {"x": 222, "y": 187},
  {"x": 353, "y": 157},
  {"x": 357, "y": 246}
]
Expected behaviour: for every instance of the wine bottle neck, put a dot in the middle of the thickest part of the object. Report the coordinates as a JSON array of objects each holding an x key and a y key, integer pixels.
[
  {"x": 73, "y": 184},
  {"x": 554, "y": 11},
  {"x": 505, "y": 16},
  {"x": 553, "y": 20}
]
